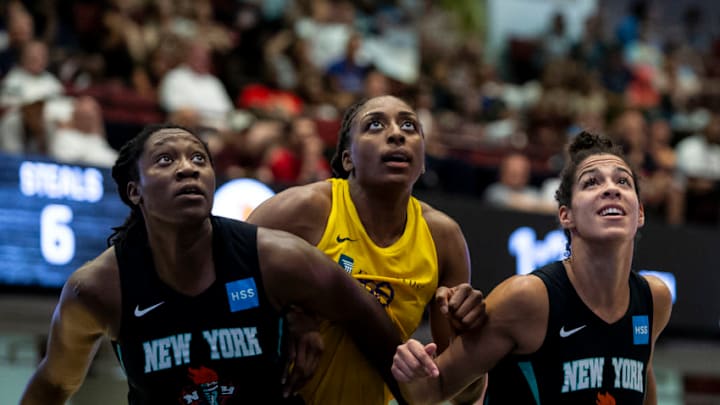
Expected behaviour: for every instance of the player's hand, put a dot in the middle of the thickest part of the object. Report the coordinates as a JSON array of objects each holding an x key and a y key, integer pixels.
[
  {"x": 463, "y": 305},
  {"x": 305, "y": 346},
  {"x": 413, "y": 361}
]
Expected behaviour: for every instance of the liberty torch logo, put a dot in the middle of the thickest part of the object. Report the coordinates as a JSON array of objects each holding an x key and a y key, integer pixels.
[{"x": 207, "y": 389}]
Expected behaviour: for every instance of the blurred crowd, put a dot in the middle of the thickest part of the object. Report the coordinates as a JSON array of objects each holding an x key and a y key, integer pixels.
[{"x": 266, "y": 83}]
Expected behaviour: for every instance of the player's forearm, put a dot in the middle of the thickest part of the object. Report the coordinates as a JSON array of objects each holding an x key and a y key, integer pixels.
[
  {"x": 377, "y": 338},
  {"x": 39, "y": 391}
]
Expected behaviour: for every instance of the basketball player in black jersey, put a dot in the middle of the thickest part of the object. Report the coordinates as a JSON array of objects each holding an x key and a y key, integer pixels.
[
  {"x": 579, "y": 331},
  {"x": 191, "y": 302}
]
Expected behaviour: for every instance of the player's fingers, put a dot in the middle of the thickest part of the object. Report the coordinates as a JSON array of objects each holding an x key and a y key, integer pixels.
[
  {"x": 309, "y": 349},
  {"x": 460, "y": 294},
  {"x": 430, "y": 349},
  {"x": 398, "y": 371},
  {"x": 442, "y": 297},
  {"x": 424, "y": 356},
  {"x": 409, "y": 367},
  {"x": 473, "y": 304},
  {"x": 408, "y": 359},
  {"x": 475, "y": 317}
]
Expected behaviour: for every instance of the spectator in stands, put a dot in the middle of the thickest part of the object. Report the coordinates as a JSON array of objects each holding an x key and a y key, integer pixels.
[
  {"x": 679, "y": 81},
  {"x": 556, "y": 43},
  {"x": 297, "y": 84},
  {"x": 285, "y": 58},
  {"x": 630, "y": 25},
  {"x": 513, "y": 189},
  {"x": 698, "y": 160},
  {"x": 376, "y": 84},
  {"x": 642, "y": 92},
  {"x": 122, "y": 45},
  {"x": 631, "y": 130},
  {"x": 20, "y": 31},
  {"x": 326, "y": 30},
  {"x": 147, "y": 78},
  {"x": 192, "y": 85},
  {"x": 592, "y": 48},
  {"x": 267, "y": 100},
  {"x": 696, "y": 34},
  {"x": 645, "y": 51},
  {"x": 298, "y": 157},
  {"x": 23, "y": 93},
  {"x": 184, "y": 20},
  {"x": 660, "y": 146},
  {"x": 82, "y": 140},
  {"x": 216, "y": 36},
  {"x": 615, "y": 75},
  {"x": 662, "y": 195},
  {"x": 22, "y": 130},
  {"x": 245, "y": 148},
  {"x": 161, "y": 21},
  {"x": 29, "y": 81},
  {"x": 663, "y": 154},
  {"x": 347, "y": 75}
]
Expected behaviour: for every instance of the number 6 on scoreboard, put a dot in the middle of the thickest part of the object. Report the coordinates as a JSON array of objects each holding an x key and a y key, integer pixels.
[{"x": 57, "y": 240}]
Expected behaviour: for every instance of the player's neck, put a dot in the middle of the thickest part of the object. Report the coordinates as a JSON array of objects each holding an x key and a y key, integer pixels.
[
  {"x": 183, "y": 259},
  {"x": 601, "y": 282},
  {"x": 383, "y": 215}
]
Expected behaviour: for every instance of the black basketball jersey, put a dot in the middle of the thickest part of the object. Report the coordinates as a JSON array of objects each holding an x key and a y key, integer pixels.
[
  {"x": 583, "y": 359},
  {"x": 219, "y": 347}
]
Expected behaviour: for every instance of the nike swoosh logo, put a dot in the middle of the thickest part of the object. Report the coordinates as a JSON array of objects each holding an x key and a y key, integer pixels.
[
  {"x": 565, "y": 333},
  {"x": 140, "y": 312},
  {"x": 341, "y": 240}
]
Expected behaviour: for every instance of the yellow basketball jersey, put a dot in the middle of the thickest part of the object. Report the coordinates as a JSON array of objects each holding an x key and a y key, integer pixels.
[{"x": 403, "y": 277}]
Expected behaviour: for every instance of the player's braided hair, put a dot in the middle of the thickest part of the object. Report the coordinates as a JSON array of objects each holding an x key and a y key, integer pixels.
[{"x": 344, "y": 139}]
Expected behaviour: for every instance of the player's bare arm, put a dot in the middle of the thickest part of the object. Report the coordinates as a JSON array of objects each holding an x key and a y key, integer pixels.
[
  {"x": 457, "y": 306},
  {"x": 88, "y": 309},
  {"x": 517, "y": 312},
  {"x": 296, "y": 273},
  {"x": 662, "y": 308}
]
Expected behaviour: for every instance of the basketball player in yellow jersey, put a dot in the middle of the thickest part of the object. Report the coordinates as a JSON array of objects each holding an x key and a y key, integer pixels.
[{"x": 406, "y": 253}]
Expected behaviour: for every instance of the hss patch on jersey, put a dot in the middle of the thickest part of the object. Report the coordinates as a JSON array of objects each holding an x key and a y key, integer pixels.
[{"x": 242, "y": 294}]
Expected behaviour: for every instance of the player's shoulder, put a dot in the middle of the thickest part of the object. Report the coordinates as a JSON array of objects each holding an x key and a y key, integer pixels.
[
  {"x": 662, "y": 298},
  {"x": 306, "y": 199},
  {"x": 96, "y": 272},
  {"x": 526, "y": 292},
  {"x": 95, "y": 288},
  {"x": 519, "y": 307},
  {"x": 657, "y": 287}
]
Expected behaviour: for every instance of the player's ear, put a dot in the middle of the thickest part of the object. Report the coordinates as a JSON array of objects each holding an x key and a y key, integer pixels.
[
  {"x": 347, "y": 161},
  {"x": 133, "y": 193},
  {"x": 565, "y": 217}
]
